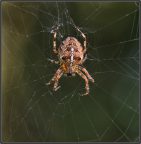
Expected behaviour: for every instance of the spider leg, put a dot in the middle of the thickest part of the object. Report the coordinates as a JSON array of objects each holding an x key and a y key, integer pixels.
[
  {"x": 84, "y": 36},
  {"x": 56, "y": 87},
  {"x": 54, "y": 42},
  {"x": 84, "y": 58},
  {"x": 86, "y": 73},
  {"x": 55, "y": 79},
  {"x": 54, "y": 31},
  {"x": 86, "y": 82},
  {"x": 53, "y": 61}
]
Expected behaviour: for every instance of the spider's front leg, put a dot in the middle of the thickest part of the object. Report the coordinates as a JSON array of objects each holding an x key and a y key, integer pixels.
[
  {"x": 86, "y": 73},
  {"x": 53, "y": 61},
  {"x": 84, "y": 37},
  {"x": 55, "y": 79},
  {"x": 54, "y": 42},
  {"x": 86, "y": 82}
]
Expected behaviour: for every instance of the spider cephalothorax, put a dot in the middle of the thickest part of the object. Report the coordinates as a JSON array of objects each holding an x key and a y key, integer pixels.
[{"x": 71, "y": 55}]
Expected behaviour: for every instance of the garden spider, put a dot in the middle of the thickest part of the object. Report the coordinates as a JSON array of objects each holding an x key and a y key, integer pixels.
[{"x": 71, "y": 55}]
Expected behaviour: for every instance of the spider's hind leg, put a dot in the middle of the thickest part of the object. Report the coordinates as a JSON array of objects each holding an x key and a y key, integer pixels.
[
  {"x": 86, "y": 73},
  {"x": 86, "y": 82},
  {"x": 55, "y": 79}
]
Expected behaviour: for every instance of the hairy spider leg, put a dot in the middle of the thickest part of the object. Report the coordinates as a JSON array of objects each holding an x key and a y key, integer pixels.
[
  {"x": 86, "y": 73},
  {"x": 54, "y": 42},
  {"x": 56, "y": 87},
  {"x": 55, "y": 79},
  {"x": 85, "y": 41},
  {"x": 86, "y": 81},
  {"x": 53, "y": 61},
  {"x": 85, "y": 57}
]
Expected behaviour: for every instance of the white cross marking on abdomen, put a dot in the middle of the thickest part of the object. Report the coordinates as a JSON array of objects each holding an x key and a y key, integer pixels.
[{"x": 72, "y": 53}]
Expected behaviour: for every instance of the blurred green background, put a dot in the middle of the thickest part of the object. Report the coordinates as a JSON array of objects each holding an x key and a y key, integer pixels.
[{"x": 31, "y": 111}]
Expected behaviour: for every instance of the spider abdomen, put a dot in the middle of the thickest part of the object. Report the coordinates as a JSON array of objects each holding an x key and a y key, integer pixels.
[{"x": 71, "y": 51}]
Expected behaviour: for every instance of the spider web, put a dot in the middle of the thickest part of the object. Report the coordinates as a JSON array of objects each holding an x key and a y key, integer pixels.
[{"x": 32, "y": 111}]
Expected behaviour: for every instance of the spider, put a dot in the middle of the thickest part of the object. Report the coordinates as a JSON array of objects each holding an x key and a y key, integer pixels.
[{"x": 71, "y": 55}]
